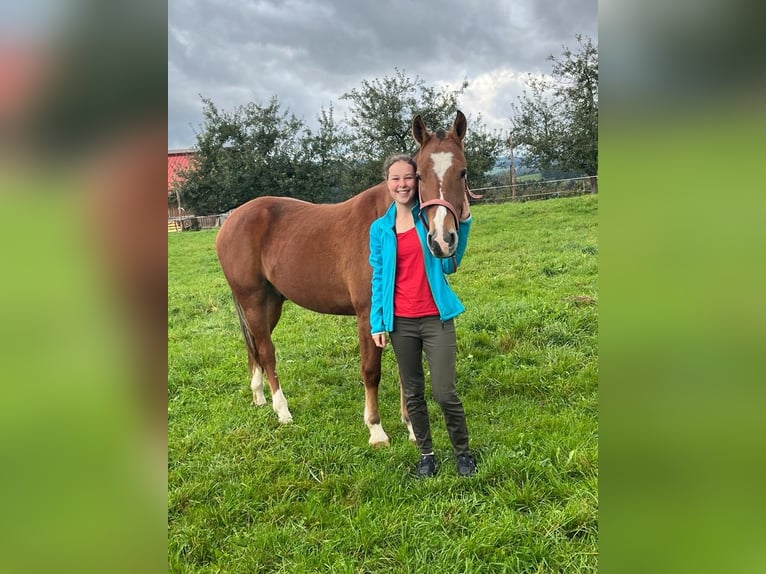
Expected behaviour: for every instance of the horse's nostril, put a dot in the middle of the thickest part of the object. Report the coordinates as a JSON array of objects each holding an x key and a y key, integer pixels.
[{"x": 433, "y": 245}]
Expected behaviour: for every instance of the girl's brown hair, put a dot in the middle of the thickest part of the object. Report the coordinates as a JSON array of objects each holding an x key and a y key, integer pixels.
[{"x": 391, "y": 160}]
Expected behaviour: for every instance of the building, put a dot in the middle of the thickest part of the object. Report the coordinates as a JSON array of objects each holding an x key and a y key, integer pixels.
[{"x": 178, "y": 160}]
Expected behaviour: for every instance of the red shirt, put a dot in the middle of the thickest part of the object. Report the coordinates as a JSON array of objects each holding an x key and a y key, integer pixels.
[{"x": 412, "y": 293}]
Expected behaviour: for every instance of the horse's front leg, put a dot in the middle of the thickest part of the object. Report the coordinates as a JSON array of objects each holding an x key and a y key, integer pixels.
[
  {"x": 371, "y": 357},
  {"x": 405, "y": 413}
]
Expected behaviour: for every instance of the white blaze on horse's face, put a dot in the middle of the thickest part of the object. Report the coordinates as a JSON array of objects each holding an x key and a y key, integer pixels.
[{"x": 442, "y": 162}]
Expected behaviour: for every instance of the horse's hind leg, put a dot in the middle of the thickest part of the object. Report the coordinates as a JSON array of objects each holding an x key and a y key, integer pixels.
[
  {"x": 262, "y": 311},
  {"x": 256, "y": 383},
  {"x": 256, "y": 371}
]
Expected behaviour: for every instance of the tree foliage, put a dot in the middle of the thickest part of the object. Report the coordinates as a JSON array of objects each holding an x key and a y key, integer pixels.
[
  {"x": 258, "y": 150},
  {"x": 556, "y": 121},
  {"x": 324, "y": 171},
  {"x": 380, "y": 119},
  {"x": 252, "y": 151}
]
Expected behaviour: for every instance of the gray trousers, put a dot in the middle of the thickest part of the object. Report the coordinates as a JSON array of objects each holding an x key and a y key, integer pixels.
[{"x": 410, "y": 338}]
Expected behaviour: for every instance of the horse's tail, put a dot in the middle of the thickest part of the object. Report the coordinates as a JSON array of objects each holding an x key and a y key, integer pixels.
[{"x": 246, "y": 332}]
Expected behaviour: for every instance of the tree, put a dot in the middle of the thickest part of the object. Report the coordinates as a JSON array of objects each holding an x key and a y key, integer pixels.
[
  {"x": 250, "y": 152},
  {"x": 482, "y": 148},
  {"x": 380, "y": 120},
  {"x": 325, "y": 162},
  {"x": 260, "y": 150},
  {"x": 557, "y": 120}
]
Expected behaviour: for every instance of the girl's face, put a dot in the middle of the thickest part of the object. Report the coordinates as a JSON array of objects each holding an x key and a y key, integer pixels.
[{"x": 402, "y": 183}]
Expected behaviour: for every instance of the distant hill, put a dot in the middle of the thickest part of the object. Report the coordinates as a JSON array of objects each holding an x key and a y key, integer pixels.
[{"x": 503, "y": 165}]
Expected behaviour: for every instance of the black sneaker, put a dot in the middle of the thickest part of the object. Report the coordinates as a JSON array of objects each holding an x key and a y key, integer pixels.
[
  {"x": 466, "y": 465},
  {"x": 427, "y": 466}
]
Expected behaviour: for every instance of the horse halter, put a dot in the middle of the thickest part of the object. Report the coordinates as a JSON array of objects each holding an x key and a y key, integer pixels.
[{"x": 443, "y": 203}]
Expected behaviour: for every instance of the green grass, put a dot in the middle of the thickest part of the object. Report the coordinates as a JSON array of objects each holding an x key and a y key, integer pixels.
[
  {"x": 247, "y": 494},
  {"x": 529, "y": 177}
]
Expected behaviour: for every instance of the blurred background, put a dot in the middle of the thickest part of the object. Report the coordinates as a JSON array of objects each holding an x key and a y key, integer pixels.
[
  {"x": 83, "y": 290},
  {"x": 681, "y": 314}
]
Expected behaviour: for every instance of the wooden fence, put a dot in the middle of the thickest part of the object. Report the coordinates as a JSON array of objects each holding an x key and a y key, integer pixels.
[
  {"x": 195, "y": 222},
  {"x": 531, "y": 190},
  {"x": 525, "y": 191}
]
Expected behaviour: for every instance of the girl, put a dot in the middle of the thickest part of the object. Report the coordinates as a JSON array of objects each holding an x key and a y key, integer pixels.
[{"x": 413, "y": 302}]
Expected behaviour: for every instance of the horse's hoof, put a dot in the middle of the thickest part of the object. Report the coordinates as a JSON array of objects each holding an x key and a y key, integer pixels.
[
  {"x": 378, "y": 437},
  {"x": 286, "y": 421}
]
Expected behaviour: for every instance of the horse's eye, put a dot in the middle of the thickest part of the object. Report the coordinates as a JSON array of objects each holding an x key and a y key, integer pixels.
[
  {"x": 417, "y": 176},
  {"x": 462, "y": 173}
]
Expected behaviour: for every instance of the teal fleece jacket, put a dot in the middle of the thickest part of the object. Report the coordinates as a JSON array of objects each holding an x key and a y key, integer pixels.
[{"x": 383, "y": 262}]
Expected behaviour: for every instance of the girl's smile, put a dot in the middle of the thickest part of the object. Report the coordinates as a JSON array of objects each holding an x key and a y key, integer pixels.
[{"x": 402, "y": 182}]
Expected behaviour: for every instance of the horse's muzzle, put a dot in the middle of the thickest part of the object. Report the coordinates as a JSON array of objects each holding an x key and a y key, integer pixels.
[{"x": 442, "y": 245}]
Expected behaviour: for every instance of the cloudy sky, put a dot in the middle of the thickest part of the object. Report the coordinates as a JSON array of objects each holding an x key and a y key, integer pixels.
[{"x": 309, "y": 52}]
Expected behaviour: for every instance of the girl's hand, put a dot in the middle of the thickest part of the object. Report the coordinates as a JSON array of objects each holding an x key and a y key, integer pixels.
[{"x": 380, "y": 339}]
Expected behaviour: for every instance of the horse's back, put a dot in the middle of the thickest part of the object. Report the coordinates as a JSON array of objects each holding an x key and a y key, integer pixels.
[{"x": 313, "y": 254}]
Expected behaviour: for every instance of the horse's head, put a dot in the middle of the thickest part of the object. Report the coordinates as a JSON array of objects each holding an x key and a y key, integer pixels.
[{"x": 441, "y": 182}]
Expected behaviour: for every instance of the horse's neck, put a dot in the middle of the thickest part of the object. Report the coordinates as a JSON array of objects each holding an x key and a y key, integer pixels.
[{"x": 372, "y": 202}]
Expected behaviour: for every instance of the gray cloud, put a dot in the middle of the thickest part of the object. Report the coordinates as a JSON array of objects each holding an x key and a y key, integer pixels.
[{"x": 309, "y": 53}]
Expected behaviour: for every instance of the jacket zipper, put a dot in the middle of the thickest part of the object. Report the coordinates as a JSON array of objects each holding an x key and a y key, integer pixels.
[{"x": 428, "y": 277}]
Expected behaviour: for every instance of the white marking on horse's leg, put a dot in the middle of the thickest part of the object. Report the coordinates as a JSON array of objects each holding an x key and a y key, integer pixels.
[
  {"x": 256, "y": 384},
  {"x": 411, "y": 432},
  {"x": 279, "y": 402},
  {"x": 378, "y": 436}
]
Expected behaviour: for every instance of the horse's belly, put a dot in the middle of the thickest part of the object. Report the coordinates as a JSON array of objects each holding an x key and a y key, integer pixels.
[
  {"x": 331, "y": 308},
  {"x": 322, "y": 293},
  {"x": 320, "y": 300}
]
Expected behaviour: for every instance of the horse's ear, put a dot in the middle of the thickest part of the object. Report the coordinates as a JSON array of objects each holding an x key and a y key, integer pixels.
[
  {"x": 419, "y": 131},
  {"x": 459, "y": 125}
]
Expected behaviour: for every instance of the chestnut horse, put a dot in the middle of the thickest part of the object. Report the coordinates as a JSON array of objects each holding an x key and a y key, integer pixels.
[{"x": 274, "y": 249}]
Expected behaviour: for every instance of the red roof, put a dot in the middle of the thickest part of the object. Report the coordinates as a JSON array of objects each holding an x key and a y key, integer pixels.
[
  {"x": 177, "y": 160},
  {"x": 21, "y": 72}
]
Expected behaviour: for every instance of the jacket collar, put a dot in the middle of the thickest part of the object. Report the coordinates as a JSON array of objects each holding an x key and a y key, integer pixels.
[{"x": 390, "y": 215}]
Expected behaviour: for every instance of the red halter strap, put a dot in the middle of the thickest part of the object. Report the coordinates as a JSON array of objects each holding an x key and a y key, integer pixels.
[
  {"x": 430, "y": 202},
  {"x": 472, "y": 194}
]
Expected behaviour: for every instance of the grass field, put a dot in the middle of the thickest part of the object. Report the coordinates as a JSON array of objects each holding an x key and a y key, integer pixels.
[{"x": 246, "y": 494}]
